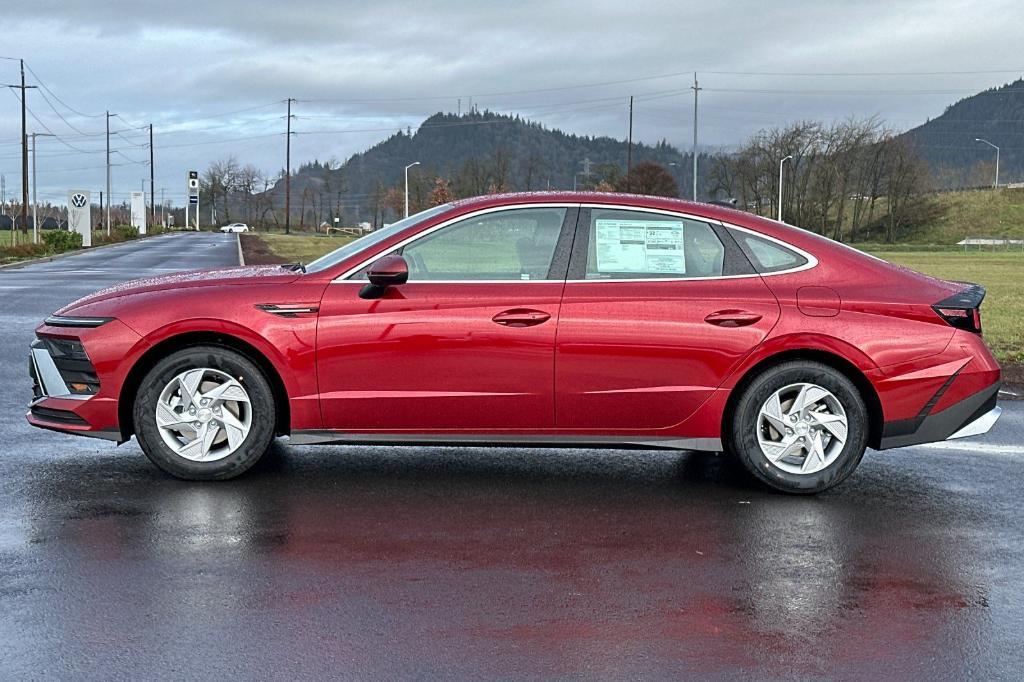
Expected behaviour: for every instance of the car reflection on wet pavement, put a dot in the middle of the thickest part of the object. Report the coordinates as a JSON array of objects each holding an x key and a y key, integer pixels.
[{"x": 409, "y": 561}]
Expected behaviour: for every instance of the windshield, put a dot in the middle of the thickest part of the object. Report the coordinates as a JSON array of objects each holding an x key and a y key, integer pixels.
[{"x": 372, "y": 239}]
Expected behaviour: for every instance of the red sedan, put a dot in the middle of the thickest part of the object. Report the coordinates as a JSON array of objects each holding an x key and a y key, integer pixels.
[{"x": 539, "y": 319}]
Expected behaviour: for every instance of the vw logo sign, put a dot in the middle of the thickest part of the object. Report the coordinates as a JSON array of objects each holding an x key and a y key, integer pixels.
[{"x": 78, "y": 200}]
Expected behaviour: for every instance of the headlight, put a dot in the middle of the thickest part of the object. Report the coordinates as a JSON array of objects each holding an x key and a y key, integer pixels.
[{"x": 71, "y": 321}]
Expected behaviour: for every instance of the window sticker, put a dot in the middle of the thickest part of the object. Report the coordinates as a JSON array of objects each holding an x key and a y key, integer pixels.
[{"x": 640, "y": 246}]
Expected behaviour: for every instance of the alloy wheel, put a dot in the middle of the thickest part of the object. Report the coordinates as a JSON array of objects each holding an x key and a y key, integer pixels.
[
  {"x": 203, "y": 414},
  {"x": 802, "y": 428}
]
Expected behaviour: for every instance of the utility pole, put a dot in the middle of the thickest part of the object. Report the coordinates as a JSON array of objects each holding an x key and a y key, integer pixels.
[
  {"x": 163, "y": 220},
  {"x": 629, "y": 150},
  {"x": 152, "y": 186},
  {"x": 24, "y": 155},
  {"x": 35, "y": 198},
  {"x": 24, "y": 149},
  {"x": 695, "y": 89},
  {"x": 288, "y": 172},
  {"x": 108, "y": 174}
]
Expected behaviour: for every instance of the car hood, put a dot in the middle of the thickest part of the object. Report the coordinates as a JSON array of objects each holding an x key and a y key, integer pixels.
[{"x": 251, "y": 274}]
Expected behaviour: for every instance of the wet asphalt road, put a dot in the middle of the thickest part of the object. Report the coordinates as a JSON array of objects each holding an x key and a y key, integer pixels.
[{"x": 377, "y": 562}]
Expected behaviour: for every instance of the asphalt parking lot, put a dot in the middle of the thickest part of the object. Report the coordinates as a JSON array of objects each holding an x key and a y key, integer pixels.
[{"x": 376, "y": 562}]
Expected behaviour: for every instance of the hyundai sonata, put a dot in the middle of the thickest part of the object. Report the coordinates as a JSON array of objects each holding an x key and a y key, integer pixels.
[{"x": 533, "y": 319}]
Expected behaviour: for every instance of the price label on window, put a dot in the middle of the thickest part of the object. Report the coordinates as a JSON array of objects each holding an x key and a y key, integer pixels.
[{"x": 640, "y": 246}]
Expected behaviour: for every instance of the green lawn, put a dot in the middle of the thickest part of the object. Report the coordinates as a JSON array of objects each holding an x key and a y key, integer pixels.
[
  {"x": 977, "y": 213},
  {"x": 1001, "y": 273},
  {"x": 8, "y": 238},
  {"x": 302, "y": 248}
]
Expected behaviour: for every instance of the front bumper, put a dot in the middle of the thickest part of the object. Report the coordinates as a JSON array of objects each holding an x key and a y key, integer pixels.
[
  {"x": 76, "y": 377},
  {"x": 972, "y": 416}
]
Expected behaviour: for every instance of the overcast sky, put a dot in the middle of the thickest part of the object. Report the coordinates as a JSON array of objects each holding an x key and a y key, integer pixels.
[{"x": 361, "y": 70}]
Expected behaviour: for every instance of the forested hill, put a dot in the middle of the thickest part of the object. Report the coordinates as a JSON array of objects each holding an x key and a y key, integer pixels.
[
  {"x": 948, "y": 144},
  {"x": 476, "y": 152}
]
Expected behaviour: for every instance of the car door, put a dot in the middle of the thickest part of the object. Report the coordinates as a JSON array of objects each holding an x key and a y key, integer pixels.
[
  {"x": 466, "y": 344},
  {"x": 657, "y": 309}
]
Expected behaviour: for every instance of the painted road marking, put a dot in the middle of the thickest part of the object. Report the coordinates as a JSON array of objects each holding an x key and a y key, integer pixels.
[{"x": 970, "y": 447}]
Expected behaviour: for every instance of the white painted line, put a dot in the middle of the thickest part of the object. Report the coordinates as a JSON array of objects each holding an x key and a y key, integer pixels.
[
  {"x": 241, "y": 258},
  {"x": 971, "y": 448},
  {"x": 1008, "y": 394}
]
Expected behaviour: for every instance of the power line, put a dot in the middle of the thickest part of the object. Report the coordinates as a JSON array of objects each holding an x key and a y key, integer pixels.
[
  {"x": 500, "y": 94},
  {"x": 766, "y": 91},
  {"x": 862, "y": 73},
  {"x": 54, "y": 95}
]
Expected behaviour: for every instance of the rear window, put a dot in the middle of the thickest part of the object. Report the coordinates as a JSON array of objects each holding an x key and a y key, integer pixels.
[{"x": 768, "y": 256}]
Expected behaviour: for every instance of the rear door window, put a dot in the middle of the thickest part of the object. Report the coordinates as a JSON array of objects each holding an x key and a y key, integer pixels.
[{"x": 639, "y": 245}]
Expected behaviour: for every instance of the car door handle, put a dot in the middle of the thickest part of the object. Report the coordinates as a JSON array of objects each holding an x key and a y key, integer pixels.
[
  {"x": 521, "y": 317},
  {"x": 732, "y": 318}
]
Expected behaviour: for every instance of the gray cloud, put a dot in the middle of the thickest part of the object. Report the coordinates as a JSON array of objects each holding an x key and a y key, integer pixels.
[{"x": 376, "y": 67}]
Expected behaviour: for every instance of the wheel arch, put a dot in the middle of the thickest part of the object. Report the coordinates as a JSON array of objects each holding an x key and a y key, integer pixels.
[
  {"x": 172, "y": 344},
  {"x": 863, "y": 385}
]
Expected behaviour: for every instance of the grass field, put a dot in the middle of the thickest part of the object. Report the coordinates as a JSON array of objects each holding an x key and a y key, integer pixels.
[
  {"x": 976, "y": 213},
  {"x": 8, "y": 238},
  {"x": 302, "y": 248}
]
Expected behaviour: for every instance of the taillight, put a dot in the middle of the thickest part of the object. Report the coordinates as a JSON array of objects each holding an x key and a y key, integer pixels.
[{"x": 963, "y": 309}]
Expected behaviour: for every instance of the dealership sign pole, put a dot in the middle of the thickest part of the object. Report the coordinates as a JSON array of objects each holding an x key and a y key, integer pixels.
[
  {"x": 80, "y": 214},
  {"x": 139, "y": 211},
  {"x": 193, "y": 196}
]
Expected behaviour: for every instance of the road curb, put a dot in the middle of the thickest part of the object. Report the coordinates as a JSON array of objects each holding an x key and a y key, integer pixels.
[
  {"x": 241, "y": 256},
  {"x": 67, "y": 254}
]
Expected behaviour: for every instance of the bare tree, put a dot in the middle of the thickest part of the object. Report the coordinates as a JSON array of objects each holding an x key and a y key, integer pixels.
[
  {"x": 218, "y": 182},
  {"x": 835, "y": 181}
]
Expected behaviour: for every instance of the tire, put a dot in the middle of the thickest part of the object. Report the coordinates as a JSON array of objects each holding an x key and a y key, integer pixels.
[
  {"x": 218, "y": 439},
  {"x": 814, "y": 456}
]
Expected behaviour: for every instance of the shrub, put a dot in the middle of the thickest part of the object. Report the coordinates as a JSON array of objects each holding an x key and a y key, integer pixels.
[
  {"x": 118, "y": 234},
  {"x": 126, "y": 232},
  {"x": 58, "y": 241},
  {"x": 24, "y": 251}
]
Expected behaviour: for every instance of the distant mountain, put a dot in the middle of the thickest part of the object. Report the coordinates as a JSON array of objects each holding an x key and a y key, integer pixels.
[
  {"x": 948, "y": 144},
  {"x": 476, "y": 152}
]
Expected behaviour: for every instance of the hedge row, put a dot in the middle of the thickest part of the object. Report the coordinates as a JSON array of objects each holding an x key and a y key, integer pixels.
[{"x": 59, "y": 241}]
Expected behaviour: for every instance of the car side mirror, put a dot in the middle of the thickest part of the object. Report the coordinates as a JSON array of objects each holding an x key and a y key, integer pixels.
[{"x": 389, "y": 271}]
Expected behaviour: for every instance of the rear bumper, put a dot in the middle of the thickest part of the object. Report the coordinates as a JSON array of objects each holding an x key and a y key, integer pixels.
[{"x": 972, "y": 416}]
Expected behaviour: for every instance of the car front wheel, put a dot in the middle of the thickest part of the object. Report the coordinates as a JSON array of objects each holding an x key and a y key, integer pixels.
[
  {"x": 800, "y": 427},
  {"x": 204, "y": 413}
]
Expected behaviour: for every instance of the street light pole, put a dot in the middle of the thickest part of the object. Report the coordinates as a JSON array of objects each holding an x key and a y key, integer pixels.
[
  {"x": 978, "y": 139},
  {"x": 784, "y": 160},
  {"x": 414, "y": 163}
]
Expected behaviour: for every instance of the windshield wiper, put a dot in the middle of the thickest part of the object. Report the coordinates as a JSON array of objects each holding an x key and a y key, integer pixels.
[{"x": 295, "y": 267}]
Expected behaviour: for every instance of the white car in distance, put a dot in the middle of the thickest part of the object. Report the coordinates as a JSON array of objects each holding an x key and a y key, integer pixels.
[{"x": 235, "y": 227}]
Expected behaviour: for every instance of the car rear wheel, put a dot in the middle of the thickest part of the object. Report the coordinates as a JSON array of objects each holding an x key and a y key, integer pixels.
[
  {"x": 204, "y": 413},
  {"x": 800, "y": 427}
]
